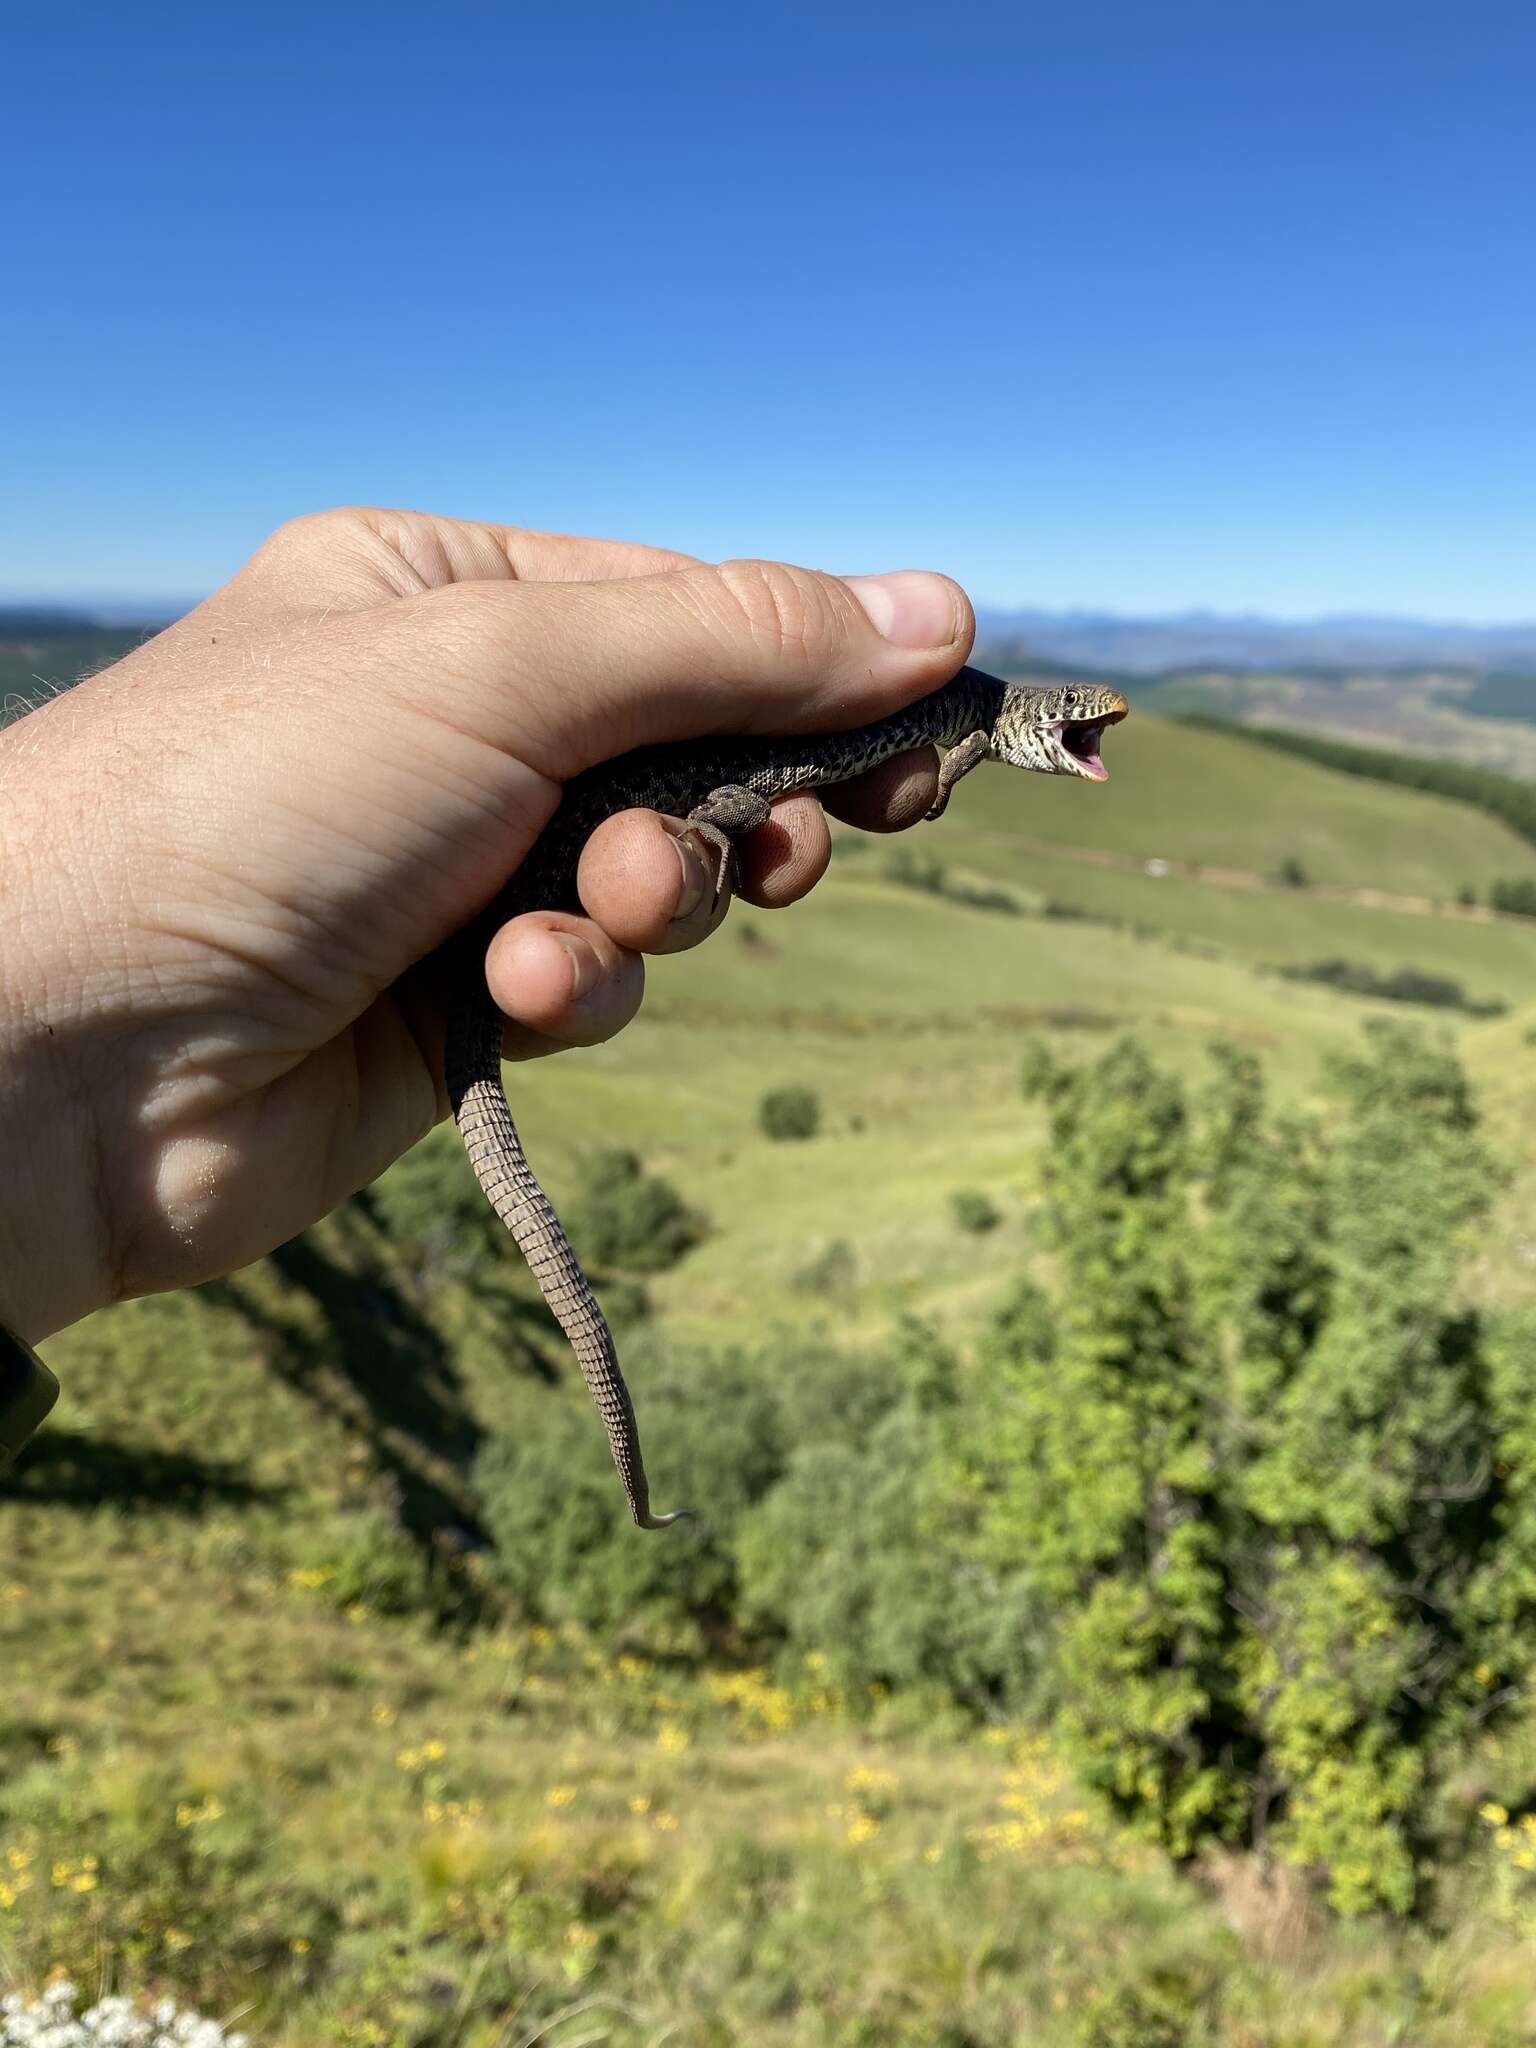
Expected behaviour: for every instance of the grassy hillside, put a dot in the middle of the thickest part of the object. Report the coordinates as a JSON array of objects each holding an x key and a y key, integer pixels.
[
  {"x": 324, "y": 1771},
  {"x": 1486, "y": 722},
  {"x": 1186, "y": 794}
]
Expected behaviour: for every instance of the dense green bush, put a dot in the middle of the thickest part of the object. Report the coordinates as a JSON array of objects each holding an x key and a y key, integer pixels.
[
  {"x": 719, "y": 1434},
  {"x": 854, "y": 1555},
  {"x": 630, "y": 1219},
  {"x": 973, "y": 1211},
  {"x": 430, "y": 1207},
  {"x": 1516, "y": 898},
  {"x": 1402, "y": 985},
  {"x": 1268, "y": 1474},
  {"x": 563, "y": 1540},
  {"x": 790, "y": 1113}
]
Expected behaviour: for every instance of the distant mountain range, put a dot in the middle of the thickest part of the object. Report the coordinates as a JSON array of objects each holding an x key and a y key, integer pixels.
[
  {"x": 1187, "y": 640},
  {"x": 22, "y": 621},
  {"x": 1088, "y": 639},
  {"x": 1465, "y": 693}
]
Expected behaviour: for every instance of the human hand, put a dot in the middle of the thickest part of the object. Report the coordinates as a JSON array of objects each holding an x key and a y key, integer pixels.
[{"x": 230, "y": 859}]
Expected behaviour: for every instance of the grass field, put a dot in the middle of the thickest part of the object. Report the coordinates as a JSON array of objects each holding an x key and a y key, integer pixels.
[{"x": 372, "y": 1827}]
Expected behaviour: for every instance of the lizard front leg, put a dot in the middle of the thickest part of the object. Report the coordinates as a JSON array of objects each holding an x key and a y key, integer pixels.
[{"x": 967, "y": 754}]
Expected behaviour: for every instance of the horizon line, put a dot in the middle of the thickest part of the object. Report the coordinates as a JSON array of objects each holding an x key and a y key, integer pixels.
[{"x": 108, "y": 608}]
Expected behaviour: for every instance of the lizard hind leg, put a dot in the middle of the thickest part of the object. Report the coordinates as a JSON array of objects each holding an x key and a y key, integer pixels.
[{"x": 727, "y": 815}]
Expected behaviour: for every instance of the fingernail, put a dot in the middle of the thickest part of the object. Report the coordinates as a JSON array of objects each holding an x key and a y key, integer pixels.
[
  {"x": 584, "y": 966},
  {"x": 695, "y": 881},
  {"x": 909, "y": 607}
]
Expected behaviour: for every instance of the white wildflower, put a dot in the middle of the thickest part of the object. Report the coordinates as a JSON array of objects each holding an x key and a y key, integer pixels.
[{"x": 51, "y": 2022}]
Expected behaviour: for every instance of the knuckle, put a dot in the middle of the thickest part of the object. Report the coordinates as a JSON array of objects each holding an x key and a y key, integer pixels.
[
  {"x": 790, "y": 613},
  {"x": 308, "y": 530}
]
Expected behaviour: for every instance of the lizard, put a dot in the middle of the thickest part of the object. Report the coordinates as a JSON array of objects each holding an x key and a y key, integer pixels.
[{"x": 724, "y": 788}]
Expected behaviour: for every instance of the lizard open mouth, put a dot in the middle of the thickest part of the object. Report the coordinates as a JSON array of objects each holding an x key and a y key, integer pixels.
[{"x": 1079, "y": 740}]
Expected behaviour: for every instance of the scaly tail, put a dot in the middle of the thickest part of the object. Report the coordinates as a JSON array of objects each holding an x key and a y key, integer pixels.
[{"x": 480, "y": 1109}]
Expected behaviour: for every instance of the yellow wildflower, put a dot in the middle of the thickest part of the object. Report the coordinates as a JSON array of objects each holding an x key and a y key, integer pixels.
[
  {"x": 299, "y": 1945},
  {"x": 640, "y": 1803},
  {"x": 189, "y": 1816},
  {"x": 383, "y": 1715},
  {"x": 666, "y": 1822},
  {"x": 867, "y": 1778},
  {"x": 559, "y": 1795},
  {"x": 863, "y": 1827},
  {"x": 672, "y": 1739},
  {"x": 1495, "y": 1815}
]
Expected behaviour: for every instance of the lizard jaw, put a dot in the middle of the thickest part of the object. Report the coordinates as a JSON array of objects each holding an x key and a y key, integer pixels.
[{"x": 1076, "y": 743}]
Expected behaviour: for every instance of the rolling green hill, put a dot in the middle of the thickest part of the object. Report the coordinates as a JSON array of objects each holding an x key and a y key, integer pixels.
[
  {"x": 1188, "y": 794},
  {"x": 323, "y": 1769},
  {"x": 1485, "y": 721}
]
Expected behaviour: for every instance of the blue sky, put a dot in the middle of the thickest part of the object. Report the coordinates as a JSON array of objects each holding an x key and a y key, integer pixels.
[{"x": 1104, "y": 304}]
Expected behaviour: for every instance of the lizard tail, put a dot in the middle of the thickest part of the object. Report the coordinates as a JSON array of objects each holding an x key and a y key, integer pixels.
[{"x": 481, "y": 1111}]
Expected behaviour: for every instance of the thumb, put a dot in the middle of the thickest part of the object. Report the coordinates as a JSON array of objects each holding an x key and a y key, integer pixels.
[{"x": 564, "y": 675}]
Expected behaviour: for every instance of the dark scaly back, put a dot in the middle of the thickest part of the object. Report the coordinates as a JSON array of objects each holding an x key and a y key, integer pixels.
[{"x": 673, "y": 779}]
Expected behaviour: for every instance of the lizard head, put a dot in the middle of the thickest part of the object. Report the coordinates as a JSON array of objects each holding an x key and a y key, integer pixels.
[{"x": 1056, "y": 732}]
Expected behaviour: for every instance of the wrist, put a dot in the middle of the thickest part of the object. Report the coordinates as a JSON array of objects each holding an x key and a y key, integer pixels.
[{"x": 51, "y": 1268}]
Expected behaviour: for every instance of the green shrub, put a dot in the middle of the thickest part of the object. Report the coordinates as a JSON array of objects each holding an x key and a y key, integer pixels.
[
  {"x": 630, "y": 1219},
  {"x": 912, "y": 869},
  {"x": 1268, "y": 1475},
  {"x": 1403, "y": 985},
  {"x": 1515, "y": 898},
  {"x": 790, "y": 1113},
  {"x": 563, "y": 1540},
  {"x": 430, "y": 1206},
  {"x": 845, "y": 1557},
  {"x": 833, "y": 1273},
  {"x": 973, "y": 1211}
]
